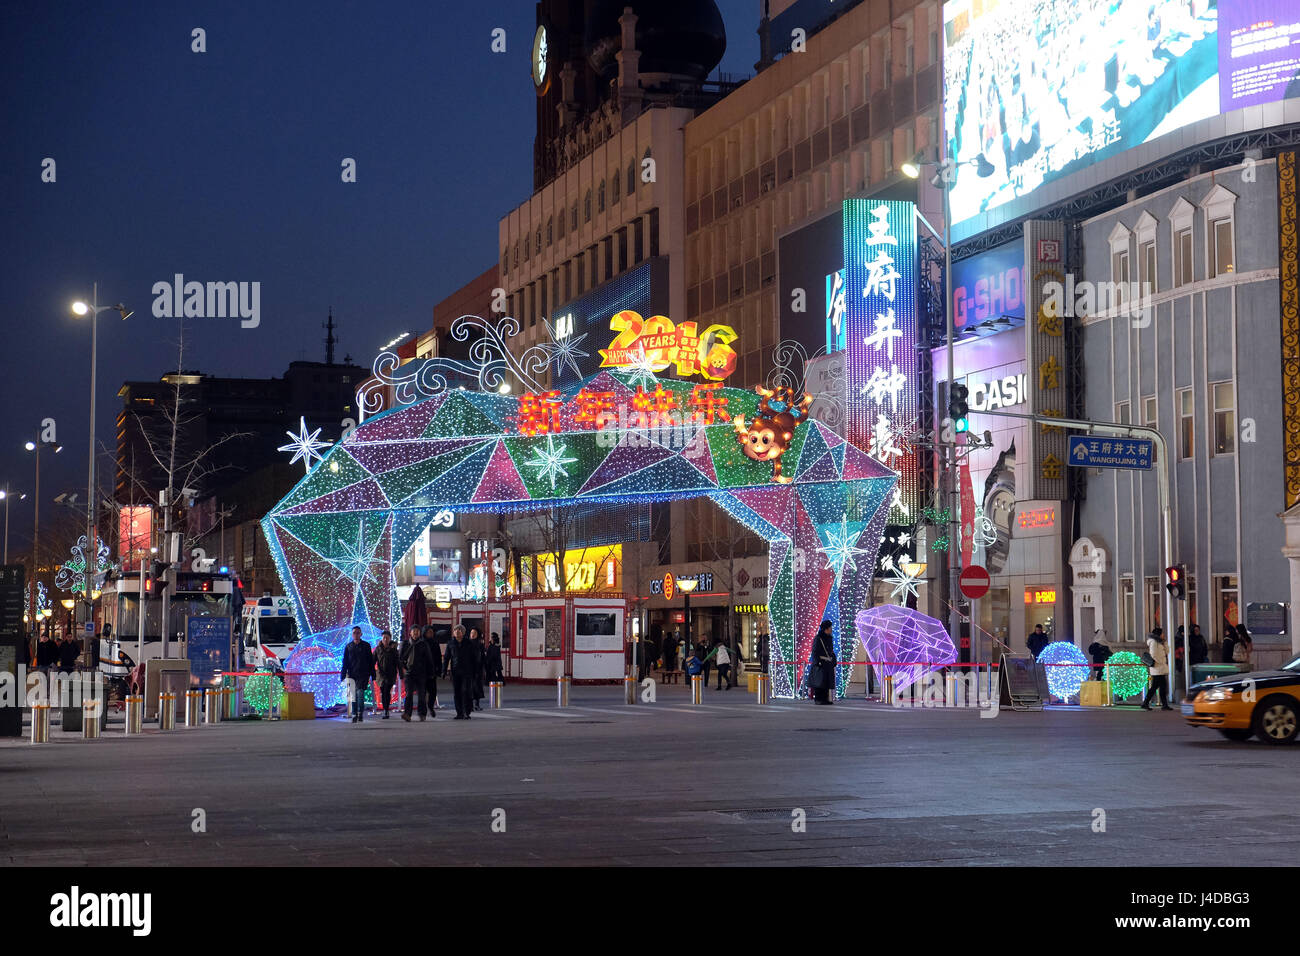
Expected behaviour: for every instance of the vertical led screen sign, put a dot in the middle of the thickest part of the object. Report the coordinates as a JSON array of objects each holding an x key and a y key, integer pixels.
[{"x": 882, "y": 374}]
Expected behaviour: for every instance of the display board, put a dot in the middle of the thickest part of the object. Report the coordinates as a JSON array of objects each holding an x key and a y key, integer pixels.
[{"x": 207, "y": 646}]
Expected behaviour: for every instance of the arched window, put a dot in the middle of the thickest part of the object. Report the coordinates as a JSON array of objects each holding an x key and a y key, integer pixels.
[
  {"x": 525, "y": 248},
  {"x": 631, "y": 177},
  {"x": 573, "y": 217},
  {"x": 538, "y": 244},
  {"x": 559, "y": 226},
  {"x": 549, "y": 231},
  {"x": 505, "y": 260},
  {"x": 614, "y": 180},
  {"x": 600, "y": 197},
  {"x": 586, "y": 207}
]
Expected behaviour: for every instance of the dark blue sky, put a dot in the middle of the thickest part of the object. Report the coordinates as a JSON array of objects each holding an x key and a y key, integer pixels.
[{"x": 225, "y": 166}]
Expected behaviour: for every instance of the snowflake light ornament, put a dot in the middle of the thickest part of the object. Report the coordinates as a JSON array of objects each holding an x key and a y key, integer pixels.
[
  {"x": 550, "y": 461},
  {"x": 564, "y": 350},
  {"x": 840, "y": 549},
  {"x": 305, "y": 446},
  {"x": 357, "y": 559}
]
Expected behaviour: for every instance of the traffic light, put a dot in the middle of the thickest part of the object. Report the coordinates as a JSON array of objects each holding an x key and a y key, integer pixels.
[
  {"x": 958, "y": 409},
  {"x": 157, "y": 582},
  {"x": 1176, "y": 585}
]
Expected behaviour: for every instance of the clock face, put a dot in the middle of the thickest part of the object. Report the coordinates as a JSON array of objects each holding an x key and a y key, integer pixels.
[{"x": 541, "y": 72}]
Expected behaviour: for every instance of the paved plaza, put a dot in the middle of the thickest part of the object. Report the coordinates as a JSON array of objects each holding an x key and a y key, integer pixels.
[{"x": 666, "y": 783}]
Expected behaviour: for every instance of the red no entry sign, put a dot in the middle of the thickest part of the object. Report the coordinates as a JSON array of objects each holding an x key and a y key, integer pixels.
[{"x": 974, "y": 582}]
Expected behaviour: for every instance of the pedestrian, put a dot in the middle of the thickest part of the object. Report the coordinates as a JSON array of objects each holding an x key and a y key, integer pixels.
[
  {"x": 1158, "y": 669},
  {"x": 1229, "y": 643},
  {"x": 462, "y": 664},
  {"x": 724, "y": 665},
  {"x": 821, "y": 672},
  {"x": 670, "y": 652},
  {"x": 706, "y": 658},
  {"x": 1242, "y": 648},
  {"x": 1037, "y": 641},
  {"x": 692, "y": 666},
  {"x": 68, "y": 654},
  {"x": 1199, "y": 651},
  {"x": 418, "y": 664},
  {"x": 476, "y": 639},
  {"x": 47, "y": 655},
  {"x": 764, "y": 651},
  {"x": 387, "y": 664},
  {"x": 492, "y": 666},
  {"x": 737, "y": 658},
  {"x": 359, "y": 668},
  {"x": 1100, "y": 654},
  {"x": 435, "y": 653}
]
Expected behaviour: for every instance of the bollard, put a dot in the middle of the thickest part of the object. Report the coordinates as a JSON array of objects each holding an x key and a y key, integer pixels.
[
  {"x": 40, "y": 723},
  {"x": 90, "y": 719},
  {"x": 230, "y": 702},
  {"x": 562, "y": 692},
  {"x": 887, "y": 689},
  {"x": 950, "y": 689},
  {"x": 193, "y": 708},
  {"x": 762, "y": 688},
  {"x": 629, "y": 690},
  {"x": 494, "y": 694},
  {"x": 697, "y": 689},
  {"x": 166, "y": 711},
  {"x": 212, "y": 706},
  {"x": 1110, "y": 693},
  {"x": 135, "y": 713}
]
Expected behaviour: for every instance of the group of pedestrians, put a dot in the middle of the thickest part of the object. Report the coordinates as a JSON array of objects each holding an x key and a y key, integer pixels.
[
  {"x": 419, "y": 662},
  {"x": 57, "y": 654}
]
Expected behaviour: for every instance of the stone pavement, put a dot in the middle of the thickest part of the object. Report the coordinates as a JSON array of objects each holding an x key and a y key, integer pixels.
[{"x": 655, "y": 784}]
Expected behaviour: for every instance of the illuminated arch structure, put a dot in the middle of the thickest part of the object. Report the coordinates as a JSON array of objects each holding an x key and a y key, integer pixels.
[{"x": 336, "y": 536}]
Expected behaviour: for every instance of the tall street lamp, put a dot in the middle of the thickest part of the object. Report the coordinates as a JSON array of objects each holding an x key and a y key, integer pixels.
[
  {"x": 5, "y": 495},
  {"x": 944, "y": 178},
  {"x": 686, "y": 586},
  {"x": 92, "y": 309},
  {"x": 35, "y": 446}
]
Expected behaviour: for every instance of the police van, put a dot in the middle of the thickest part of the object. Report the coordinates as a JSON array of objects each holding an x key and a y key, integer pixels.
[{"x": 269, "y": 630}]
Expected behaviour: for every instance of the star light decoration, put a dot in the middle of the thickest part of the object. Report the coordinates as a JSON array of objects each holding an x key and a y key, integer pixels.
[
  {"x": 564, "y": 349},
  {"x": 550, "y": 461},
  {"x": 305, "y": 446},
  {"x": 841, "y": 548},
  {"x": 356, "y": 560},
  {"x": 902, "y": 583}
]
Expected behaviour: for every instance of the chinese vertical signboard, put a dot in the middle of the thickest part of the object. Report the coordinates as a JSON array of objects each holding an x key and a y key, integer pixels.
[
  {"x": 1045, "y": 350},
  {"x": 881, "y": 376}
]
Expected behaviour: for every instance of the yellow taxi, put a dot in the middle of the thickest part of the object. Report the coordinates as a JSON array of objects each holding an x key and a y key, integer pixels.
[{"x": 1263, "y": 704}]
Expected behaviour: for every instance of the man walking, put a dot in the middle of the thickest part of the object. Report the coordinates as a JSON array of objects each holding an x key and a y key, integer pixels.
[
  {"x": 463, "y": 664},
  {"x": 387, "y": 665},
  {"x": 418, "y": 664},
  {"x": 493, "y": 666},
  {"x": 359, "y": 668},
  {"x": 435, "y": 656}
]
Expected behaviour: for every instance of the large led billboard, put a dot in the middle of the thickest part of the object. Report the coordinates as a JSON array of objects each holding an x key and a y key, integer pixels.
[{"x": 1043, "y": 89}]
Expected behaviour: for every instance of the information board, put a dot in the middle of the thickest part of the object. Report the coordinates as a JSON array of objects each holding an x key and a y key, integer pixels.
[
  {"x": 13, "y": 596},
  {"x": 207, "y": 645},
  {"x": 1024, "y": 682}
]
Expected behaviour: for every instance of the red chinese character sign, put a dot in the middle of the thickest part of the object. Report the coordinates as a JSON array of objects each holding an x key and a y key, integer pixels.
[
  {"x": 616, "y": 437},
  {"x": 656, "y": 345}
]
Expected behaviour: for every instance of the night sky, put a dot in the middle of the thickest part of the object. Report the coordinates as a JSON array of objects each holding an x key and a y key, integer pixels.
[{"x": 225, "y": 166}]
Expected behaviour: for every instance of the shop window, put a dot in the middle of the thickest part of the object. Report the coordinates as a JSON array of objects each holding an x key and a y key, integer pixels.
[
  {"x": 1155, "y": 595},
  {"x": 1225, "y": 418},
  {"x": 1226, "y": 610},
  {"x": 1186, "y": 423},
  {"x": 1122, "y": 413},
  {"x": 1128, "y": 620}
]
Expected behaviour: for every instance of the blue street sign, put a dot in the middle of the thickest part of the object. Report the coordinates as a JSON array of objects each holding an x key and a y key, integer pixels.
[{"x": 1091, "y": 451}]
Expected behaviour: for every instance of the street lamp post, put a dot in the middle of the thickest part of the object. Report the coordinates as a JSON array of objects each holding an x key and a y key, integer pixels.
[
  {"x": 944, "y": 178},
  {"x": 686, "y": 586},
  {"x": 35, "y": 446},
  {"x": 93, "y": 308}
]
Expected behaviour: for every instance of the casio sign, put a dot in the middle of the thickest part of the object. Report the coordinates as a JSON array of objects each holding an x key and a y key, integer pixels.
[{"x": 999, "y": 393}]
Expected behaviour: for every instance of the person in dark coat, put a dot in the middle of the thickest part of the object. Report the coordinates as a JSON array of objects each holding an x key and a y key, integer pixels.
[
  {"x": 1037, "y": 641},
  {"x": 418, "y": 665},
  {"x": 358, "y": 667},
  {"x": 706, "y": 658},
  {"x": 68, "y": 654},
  {"x": 47, "y": 655},
  {"x": 1200, "y": 650},
  {"x": 463, "y": 663},
  {"x": 670, "y": 652},
  {"x": 1229, "y": 642},
  {"x": 476, "y": 639},
  {"x": 387, "y": 665},
  {"x": 435, "y": 652},
  {"x": 764, "y": 651},
  {"x": 493, "y": 665},
  {"x": 821, "y": 674},
  {"x": 1100, "y": 654}
]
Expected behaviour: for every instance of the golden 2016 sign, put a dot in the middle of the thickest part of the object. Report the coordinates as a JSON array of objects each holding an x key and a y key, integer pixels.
[{"x": 655, "y": 344}]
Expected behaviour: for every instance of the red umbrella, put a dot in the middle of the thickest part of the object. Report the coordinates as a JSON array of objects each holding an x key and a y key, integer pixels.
[{"x": 416, "y": 611}]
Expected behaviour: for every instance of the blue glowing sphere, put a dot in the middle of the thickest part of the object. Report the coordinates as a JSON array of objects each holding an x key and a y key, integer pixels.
[{"x": 1067, "y": 667}]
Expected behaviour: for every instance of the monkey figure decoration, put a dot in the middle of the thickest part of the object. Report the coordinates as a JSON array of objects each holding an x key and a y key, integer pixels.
[{"x": 768, "y": 436}]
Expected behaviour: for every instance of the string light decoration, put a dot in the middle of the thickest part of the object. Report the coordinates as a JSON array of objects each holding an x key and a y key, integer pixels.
[
  {"x": 262, "y": 688},
  {"x": 1126, "y": 673},
  {"x": 305, "y": 447},
  {"x": 904, "y": 643},
  {"x": 71, "y": 575},
  {"x": 463, "y": 449},
  {"x": 313, "y": 670},
  {"x": 1067, "y": 668}
]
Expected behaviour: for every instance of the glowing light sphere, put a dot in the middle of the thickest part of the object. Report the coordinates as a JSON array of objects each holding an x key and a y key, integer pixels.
[
  {"x": 1067, "y": 668},
  {"x": 315, "y": 671},
  {"x": 262, "y": 688},
  {"x": 1126, "y": 673}
]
